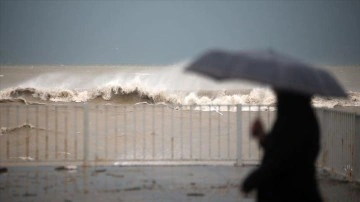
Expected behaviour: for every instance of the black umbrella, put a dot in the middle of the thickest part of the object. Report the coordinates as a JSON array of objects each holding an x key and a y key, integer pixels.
[{"x": 270, "y": 67}]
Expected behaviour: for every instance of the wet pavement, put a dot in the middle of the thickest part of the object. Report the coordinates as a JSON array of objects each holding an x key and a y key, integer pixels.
[{"x": 142, "y": 183}]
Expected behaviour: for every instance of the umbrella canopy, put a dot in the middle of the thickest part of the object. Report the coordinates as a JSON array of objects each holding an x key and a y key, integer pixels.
[{"x": 270, "y": 67}]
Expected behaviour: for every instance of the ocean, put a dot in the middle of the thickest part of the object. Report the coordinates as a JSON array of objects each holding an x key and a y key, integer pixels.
[{"x": 130, "y": 84}]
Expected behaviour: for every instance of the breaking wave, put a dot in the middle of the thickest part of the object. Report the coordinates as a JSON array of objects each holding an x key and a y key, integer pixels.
[
  {"x": 130, "y": 85},
  {"x": 120, "y": 95}
]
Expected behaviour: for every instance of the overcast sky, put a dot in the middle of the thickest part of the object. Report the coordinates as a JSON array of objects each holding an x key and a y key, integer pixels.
[{"x": 164, "y": 32}]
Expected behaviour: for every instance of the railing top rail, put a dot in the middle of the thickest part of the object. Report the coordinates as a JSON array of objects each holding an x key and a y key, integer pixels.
[
  {"x": 121, "y": 104},
  {"x": 72, "y": 104}
]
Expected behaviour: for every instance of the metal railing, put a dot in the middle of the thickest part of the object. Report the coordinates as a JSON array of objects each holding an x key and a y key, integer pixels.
[
  {"x": 251, "y": 152},
  {"x": 357, "y": 150},
  {"x": 143, "y": 134},
  {"x": 90, "y": 133},
  {"x": 41, "y": 133},
  {"x": 164, "y": 133},
  {"x": 340, "y": 143}
]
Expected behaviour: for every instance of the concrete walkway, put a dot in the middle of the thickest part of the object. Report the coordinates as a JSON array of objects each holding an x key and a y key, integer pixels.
[{"x": 139, "y": 183}]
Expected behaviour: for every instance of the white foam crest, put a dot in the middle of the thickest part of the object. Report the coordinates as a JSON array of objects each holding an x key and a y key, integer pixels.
[
  {"x": 6, "y": 93},
  {"x": 107, "y": 92},
  {"x": 352, "y": 100},
  {"x": 256, "y": 96}
]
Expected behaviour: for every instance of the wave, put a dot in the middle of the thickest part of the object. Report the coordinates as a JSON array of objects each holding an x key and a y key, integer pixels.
[
  {"x": 122, "y": 95},
  {"x": 130, "y": 85}
]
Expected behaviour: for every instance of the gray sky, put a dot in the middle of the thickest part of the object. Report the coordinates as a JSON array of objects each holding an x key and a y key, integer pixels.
[{"x": 163, "y": 32}]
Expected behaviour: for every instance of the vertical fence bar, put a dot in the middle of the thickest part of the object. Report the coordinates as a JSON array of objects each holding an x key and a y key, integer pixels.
[
  {"x": 336, "y": 156},
  {"x": 321, "y": 122},
  {"x": 143, "y": 131},
  {"x": 239, "y": 135},
  {"x": 249, "y": 126},
  {"x": 96, "y": 153},
  {"x": 349, "y": 146},
  {"x": 76, "y": 134},
  {"x": 37, "y": 132},
  {"x": 181, "y": 132},
  {"x": 353, "y": 147},
  {"x": 125, "y": 132},
  {"x": 190, "y": 136},
  {"x": 259, "y": 116},
  {"x": 47, "y": 132},
  {"x": 351, "y": 141},
  {"x": 345, "y": 146},
  {"x": 17, "y": 135},
  {"x": 219, "y": 132},
  {"x": 106, "y": 131},
  {"x": 66, "y": 134},
  {"x": 228, "y": 131},
  {"x": 134, "y": 117},
  {"x": 162, "y": 131},
  {"x": 339, "y": 139},
  {"x": 328, "y": 136},
  {"x": 340, "y": 160},
  {"x": 86, "y": 134},
  {"x": 2, "y": 153},
  {"x": 153, "y": 131},
  {"x": 116, "y": 131},
  {"x": 56, "y": 132},
  {"x": 7, "y": 136},
  {"x": 27, "y": 139},
  {"x": 210, "y": 132},
  {"x": 200, "y": 131},
  {"x": 172, "y": 133},
  {"x": 343, "y": 156},
  {"x": 329, "y": 125}
]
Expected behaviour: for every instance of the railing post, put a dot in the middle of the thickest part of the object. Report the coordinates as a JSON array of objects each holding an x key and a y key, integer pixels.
[
  {"x": 86, "y": 134},
  {"x": 239, "y": 135},
  {"x": 320, "y": 119}
]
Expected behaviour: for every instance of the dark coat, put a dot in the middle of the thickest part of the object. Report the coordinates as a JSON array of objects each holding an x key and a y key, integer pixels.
[{"x": 287, "y": 171}]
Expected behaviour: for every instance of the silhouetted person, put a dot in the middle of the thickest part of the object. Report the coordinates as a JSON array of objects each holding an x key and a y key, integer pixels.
[{"x": 287, "y": 171}]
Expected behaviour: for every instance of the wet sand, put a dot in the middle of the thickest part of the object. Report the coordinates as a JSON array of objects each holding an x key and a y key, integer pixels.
[{"x": 154, "y": 183}]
